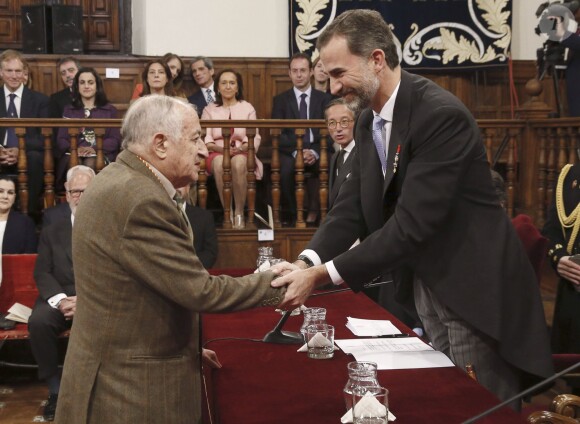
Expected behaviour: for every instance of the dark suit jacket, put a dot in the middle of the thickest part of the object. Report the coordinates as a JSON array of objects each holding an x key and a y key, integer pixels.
[
  {"x": 20, "y": 235},
  {"x": 437, "y": 219},
  {"x": 204, "y": 234},
  {"x": 140, "y": 290},
  {"x": 336, "y": 181},
  {"x": 34, "y": 105},
  {"x": 55, "y": 213},
  {"x": 198, "y": 100},
  {"x": 286, "y": 107},
  {"x": 54, "y": 268},
  {"x": 58, "y": 101}
]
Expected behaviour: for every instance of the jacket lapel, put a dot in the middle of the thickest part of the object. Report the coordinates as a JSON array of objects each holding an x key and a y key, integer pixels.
[{"x": 292, "y": 103}]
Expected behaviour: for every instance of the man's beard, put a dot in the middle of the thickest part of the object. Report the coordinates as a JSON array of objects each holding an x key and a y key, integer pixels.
[{"x": 362, "y": 95}]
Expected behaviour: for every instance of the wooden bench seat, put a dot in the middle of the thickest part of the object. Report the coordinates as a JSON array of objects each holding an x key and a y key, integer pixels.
[{"x": 18, "y": 285}]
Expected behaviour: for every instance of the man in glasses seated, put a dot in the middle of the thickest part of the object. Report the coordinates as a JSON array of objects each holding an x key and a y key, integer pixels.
[{"x": 56, "y": 304}]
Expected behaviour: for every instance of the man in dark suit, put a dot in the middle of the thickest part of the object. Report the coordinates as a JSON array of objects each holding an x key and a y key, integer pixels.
[
  {"x": 56, "y": 305},
  {"x": 426, "y": 212},
  {"x": 302, "y": 101},
  {"x": 203, "y": 227},
  {"x": 20, "y": 102},
  {"x": 67, "y": 68},
  {"x": 340, "y": 122},
  {"x": 202, "y": 72}
]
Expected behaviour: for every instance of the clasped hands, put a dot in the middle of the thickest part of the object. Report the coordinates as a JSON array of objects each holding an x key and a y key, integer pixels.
[
  {"x": 300, "y": 281},
  {"x": 8, "y": 156},
  {"x": 68, "y": 306}
]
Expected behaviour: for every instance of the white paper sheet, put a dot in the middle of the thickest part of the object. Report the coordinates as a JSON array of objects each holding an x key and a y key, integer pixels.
[
  {"x": 371, "y": 327},
  {"x": 397, "y": 353}
]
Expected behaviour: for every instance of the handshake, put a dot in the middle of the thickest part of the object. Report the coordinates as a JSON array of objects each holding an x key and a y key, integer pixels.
[{"x": 300, "y": 280}]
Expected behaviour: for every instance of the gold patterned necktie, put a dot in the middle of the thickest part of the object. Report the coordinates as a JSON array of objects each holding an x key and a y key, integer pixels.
[{"x": 180, "y": 206}]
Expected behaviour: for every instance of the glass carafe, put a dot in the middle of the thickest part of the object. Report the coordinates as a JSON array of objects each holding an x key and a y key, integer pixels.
[
  {"x": 312, "y": 316},
  {"x": 360, "y": 375},
  {"x": 264, "y": 254}
]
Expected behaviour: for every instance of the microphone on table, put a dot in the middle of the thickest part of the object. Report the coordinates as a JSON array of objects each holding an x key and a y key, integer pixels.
[
  {"x": 522, "y": 394},
  {"x": 289, "y": 337}
]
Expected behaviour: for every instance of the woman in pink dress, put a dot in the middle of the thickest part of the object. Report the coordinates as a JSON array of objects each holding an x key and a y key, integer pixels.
[{"x": 230, "y": 104}]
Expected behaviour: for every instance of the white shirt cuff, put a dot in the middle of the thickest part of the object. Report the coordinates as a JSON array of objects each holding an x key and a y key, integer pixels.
[
  {"x": 334, "y": 275},
  {"x": 54, "y": 300},
  {"x": 312, "y": 255}
]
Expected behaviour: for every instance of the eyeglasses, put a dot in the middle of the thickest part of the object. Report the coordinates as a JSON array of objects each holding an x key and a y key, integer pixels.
[
  {"x": 344, "y": 123},
  {"x": 75, "y": 193}
]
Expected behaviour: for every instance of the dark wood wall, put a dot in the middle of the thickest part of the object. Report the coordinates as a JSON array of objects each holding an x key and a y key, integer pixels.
[
  {"x": 105, "y": 26},
  {"x": 485, "y": 93}
]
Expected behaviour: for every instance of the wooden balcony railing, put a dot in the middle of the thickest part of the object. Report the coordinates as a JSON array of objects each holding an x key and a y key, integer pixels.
[{"x": 530, "y": 153}]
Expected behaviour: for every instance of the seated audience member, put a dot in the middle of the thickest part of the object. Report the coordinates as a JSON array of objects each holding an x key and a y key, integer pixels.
[
  {"x": 340, "y": 122},
  {"x": 561, "y": 229},
  {"x": 230, "y": 104},
  {"x": 300, "y": 102},
  {"x": 202, "y": 72},
  {"x": 203, "y": 228},
  {"x": 17, "y": 231},
  {"x": 67, "y": 68},
  {"x": 27, "y": 76},
  {"x": 157, "y": 79},
  {"x": 55, "y": 307},
  {"x": 175, "y": 64},
  {"x": 320, "y": 79},
  {"x": 20, "y": 102},
  {"x": 89, "y": 101}
]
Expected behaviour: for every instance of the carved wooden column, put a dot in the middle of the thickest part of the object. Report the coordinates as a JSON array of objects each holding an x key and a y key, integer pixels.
[
  {"x": 299, "y": 178},
  {"x": 323, "y": 173},
  {"x": 100, "y": 159},
  {"x": 251, "y": 166},
  {"x": 275, "y": 176},
  {"x": 227, "y": 178},
  {"x": 48, "y": 168},
  {"x": 22, "y": 169}
]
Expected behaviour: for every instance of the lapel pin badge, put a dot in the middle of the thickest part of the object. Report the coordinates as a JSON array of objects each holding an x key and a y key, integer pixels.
[{"x": 396, "y": 161}]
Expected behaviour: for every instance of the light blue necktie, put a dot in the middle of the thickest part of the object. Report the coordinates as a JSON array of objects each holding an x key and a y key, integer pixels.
[{"x": 378, "y": 124}]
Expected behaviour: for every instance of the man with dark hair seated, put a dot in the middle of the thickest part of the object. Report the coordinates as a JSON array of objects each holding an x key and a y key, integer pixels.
[{"x": 56, "y": 304}]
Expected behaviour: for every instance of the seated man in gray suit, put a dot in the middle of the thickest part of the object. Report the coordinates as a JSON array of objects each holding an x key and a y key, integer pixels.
[{"x": 56, "y": 305}]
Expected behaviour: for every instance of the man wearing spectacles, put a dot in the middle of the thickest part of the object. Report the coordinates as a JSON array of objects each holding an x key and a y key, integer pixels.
[
  {"x": 56, "y": 305},
  {"x": 340, "y": 122}
]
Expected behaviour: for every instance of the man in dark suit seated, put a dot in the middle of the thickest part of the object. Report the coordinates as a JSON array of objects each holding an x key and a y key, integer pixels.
[
  {"x": 56, "y": 304},
  {"x": 202, "y": 72},
  {"x": 20, "y": 102},
  {"x": 67, "y": 68},
  {"x": 340, "y": 122},
  {"x": 203, "y": 227},
  {"x": 302, "y": 101}
]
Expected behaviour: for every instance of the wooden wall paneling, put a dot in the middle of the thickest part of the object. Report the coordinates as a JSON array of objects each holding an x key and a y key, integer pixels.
[{"x": 10, "y": 37}]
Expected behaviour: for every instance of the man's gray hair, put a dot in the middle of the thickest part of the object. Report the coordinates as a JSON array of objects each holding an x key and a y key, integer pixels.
[
  {"x": 339, "y": 101},
  {"x": 79, "y": 169},
  {"x": 206, "y": 61},
  {"x": 153, "y": 114}
]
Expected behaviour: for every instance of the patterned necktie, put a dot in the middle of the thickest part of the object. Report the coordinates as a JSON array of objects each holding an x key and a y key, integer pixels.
[
  {"x": 378, "y": 124},
  {"x": 209, "y": 96},
  {"x": 340, "y": 161},
  {"x": 304, "y": 115},
  {"x": 11, "y": 139}
]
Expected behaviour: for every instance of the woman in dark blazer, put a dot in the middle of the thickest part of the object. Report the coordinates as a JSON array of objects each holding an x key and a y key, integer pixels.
[{"x": 17, "y": 231}]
